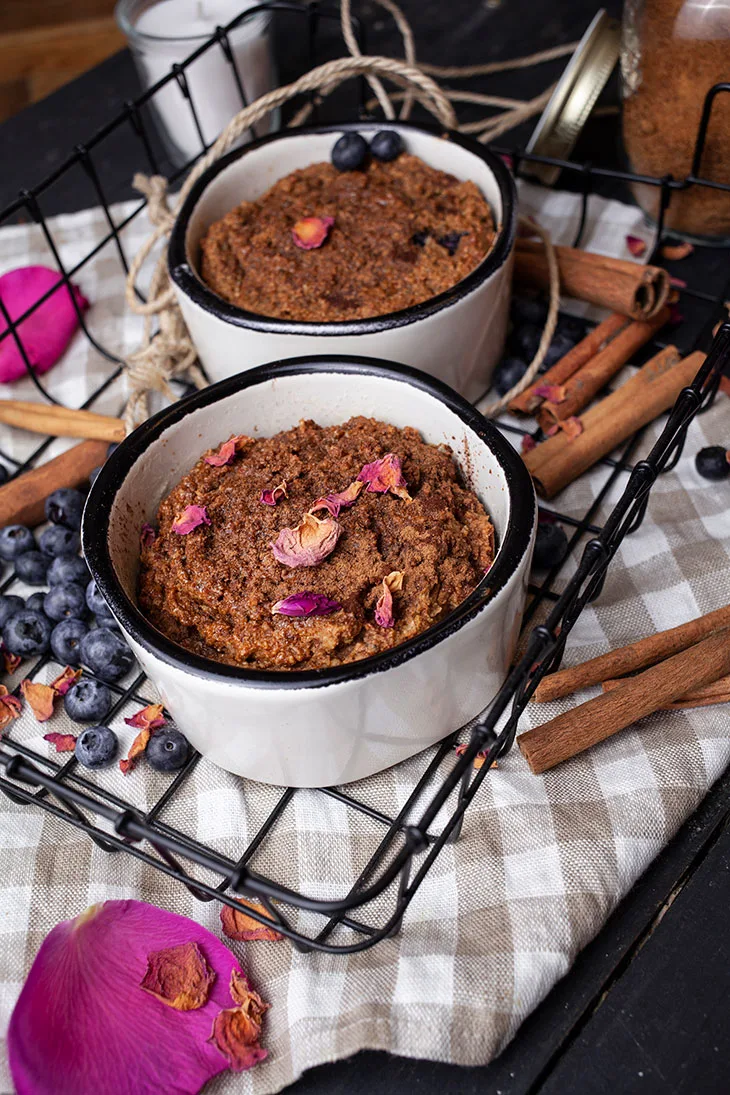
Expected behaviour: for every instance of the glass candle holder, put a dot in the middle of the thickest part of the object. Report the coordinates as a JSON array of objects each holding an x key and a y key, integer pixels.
[{"x": 162, "y": 33}]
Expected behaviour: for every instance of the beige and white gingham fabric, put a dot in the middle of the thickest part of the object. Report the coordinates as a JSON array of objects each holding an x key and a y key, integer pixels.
[{"x": 541, "y": 861}]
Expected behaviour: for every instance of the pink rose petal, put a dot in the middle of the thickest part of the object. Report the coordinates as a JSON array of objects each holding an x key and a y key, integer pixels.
[
  {"x": 147, "y": 535},
  {"x": 307, "y": 544},
  {"x": 190, "y": 518},
  {"x": 271, "y": 497},
  {"x": 636, "y": 245},
  {"x": 83, "y": 1025},
  {"x": 311, "y": 232},
  {"x": 46, "y": 333},
  {"x": 384, "y": 616},
  {"x": 385, "y": 475},
  {"x": 64, "y": 743},
  {"x": 226, "y": 453},
  {"x": 305, "y": 604},
  {"x": 333, "y": 503},
  {"x": 528, "y": 443},
  {"x": 554, "y": 393}
]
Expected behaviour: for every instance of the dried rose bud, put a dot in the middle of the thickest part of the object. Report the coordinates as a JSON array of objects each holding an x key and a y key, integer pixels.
[
  {"x": 271, "y": 497},
  {"x": 307, "y": 544},
  {"x": 311, "y": 232},
  {"x": 190, "y": 518},
  {"x": 636, "y": 246},
  {"x": 305, "y": 604},
  {"x": 333, "y": 503},
  {"x": 147, "y": 535},
  {"x": 391, "y": 584},
  {"x": 385, "y": 475}
]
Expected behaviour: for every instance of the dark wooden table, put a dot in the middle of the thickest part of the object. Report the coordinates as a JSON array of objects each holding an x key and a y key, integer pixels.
[{"x": 644, "y": 1007}]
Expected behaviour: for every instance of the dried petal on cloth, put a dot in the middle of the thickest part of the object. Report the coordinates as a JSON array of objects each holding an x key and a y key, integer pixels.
[{"x": 237, "y": 925}]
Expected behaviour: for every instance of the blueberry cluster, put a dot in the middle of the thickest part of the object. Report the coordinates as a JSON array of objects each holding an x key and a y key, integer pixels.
[
  {"x": 351, "y": 151},
  {"x": 528, "y": 315},
  {"x": 98, "y": 746}
]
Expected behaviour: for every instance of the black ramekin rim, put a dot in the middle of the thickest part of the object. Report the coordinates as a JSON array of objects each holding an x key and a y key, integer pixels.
[
  {"x": 97, "y": 512},
  {"x": 191, "y": 285}
]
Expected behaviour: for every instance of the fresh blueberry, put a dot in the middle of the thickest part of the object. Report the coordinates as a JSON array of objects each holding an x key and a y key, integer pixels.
[
  {"x": 571, "y": 326},
  {"x": 386, "y": 145},
  {"x": 15, "y": 540},
  {"x": 32, "y": 568},
  {"x": 558, "y": 348},
  {"x": 450, "y": 241},
  {"x": 57, "y": 540},
  {"x": 65, "y": 506},
  {"x": 35, "y": 601},
  {"x": 93, "y": 474},
  {"x": 507, "y": 373},
  {"x": 65, "y": 602},
  {"x": 94, "y": 599},
  {"x": 106, "y": 619},
  {"x": 68, "y": 568},
  {"x": 713, "y": 462},
  {"x": 106, "y": 654},
  {"x": 532, "y": 310},
  {"x": 550, "y": 545},
  {"x": 167, "y": 750},
  {"x": 111, "y": 447},
  {"x": 349, "y": 152},
  {"x": 27, "y": 633},
  {"x": 88, "y": 700},
  {"x": 96, "y": 747},
  {"x": 525, "y": 340},
  {"x": 9, "y": 605},
  {"x": 3, "y": 474},
  {"x": 66, "y": 641}
]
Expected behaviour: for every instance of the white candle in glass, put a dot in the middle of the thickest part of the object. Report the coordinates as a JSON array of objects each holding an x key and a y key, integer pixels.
[{"x": 163, "y": 33}]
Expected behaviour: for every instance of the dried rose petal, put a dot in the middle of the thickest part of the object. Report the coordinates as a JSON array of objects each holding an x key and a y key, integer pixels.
[
  {"x": 190, "y": 518},
  {"x": 39, "y": 697},
  {"x": 82, "y": 1012},
  {"x": 11, "y": 662},
  {"x": 673, "y": 252},
  {"x": 236, "y": 1035},
  {"x": 554, "y": 393},
  {"x": 136, "y": 749},
  {"x": 65, "y": 680},
  {"x": 305, "y": 604},
  {"x": 677, "y": 283},
  {"x": 385, "y": 475},
  {"x": 311, "y": 232},
  {"x": 237, "y": 925},
  {"x": 64, "y": 743},
  {"x": 528, "y": 443},
  {"x": 149, "y": 718},
  {"x": 572, "y": 427},
  {"x": 636, "y": 245},
  {"x": 478, "y": 759},
  {"x": 243, "y": 995},
  {"x": 384, "y": 608},
  {"x": 10, "y": 707},
  {"x": 271, "y": 497},
  {"x": 147, "y": 535},
  {"x": 307, "y": 544},
  {"x": 333, "y": 503},
  {"x": 179, "y": 976},
  {"x": 47, "y": 332}
]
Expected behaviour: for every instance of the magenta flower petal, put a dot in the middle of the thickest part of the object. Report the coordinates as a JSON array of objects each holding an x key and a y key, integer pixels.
[
  {"x": 47, "y": 332},
  {"x": 385, "y": 475},
  {"x": 190, "y": 518},
  {"x": 147, "y": 535},
  {"x": 305, "y": 604},
  {"x": 333, "y": 503},
  {"x": 636, "y": 245},
  {"x": 271, "y": 497},
  {"x": 83, "y": 1021}
]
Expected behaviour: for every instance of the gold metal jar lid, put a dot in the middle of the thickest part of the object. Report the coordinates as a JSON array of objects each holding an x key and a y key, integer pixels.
[{"x": 575, "y": 95}]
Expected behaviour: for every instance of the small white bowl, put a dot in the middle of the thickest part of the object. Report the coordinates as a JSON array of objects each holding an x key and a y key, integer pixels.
[
  {"x": 457, "y": 336},
  {"x": 329, "y": 726}
]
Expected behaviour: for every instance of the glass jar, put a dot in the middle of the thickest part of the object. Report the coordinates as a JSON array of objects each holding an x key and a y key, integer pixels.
[{"x": 672, "y": 53}]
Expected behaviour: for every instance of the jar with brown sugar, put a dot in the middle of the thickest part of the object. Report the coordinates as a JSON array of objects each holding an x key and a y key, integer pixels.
[{"x": 673, "y": 52}]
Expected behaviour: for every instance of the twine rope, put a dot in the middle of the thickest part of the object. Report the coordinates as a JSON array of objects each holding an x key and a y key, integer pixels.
[{"x": 167, "y": 352}]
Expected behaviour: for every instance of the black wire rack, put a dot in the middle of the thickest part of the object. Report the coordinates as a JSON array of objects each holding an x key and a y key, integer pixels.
[{"x": 402, "y": 850}]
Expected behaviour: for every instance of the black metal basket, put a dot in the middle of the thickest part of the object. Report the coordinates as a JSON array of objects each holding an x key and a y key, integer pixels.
[{"x": 402, "y": 852}]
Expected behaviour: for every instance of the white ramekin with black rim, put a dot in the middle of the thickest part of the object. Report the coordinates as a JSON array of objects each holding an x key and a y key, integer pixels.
[
  {"x": 329, "y": 726},
  {"x": 457, "y": 336}
]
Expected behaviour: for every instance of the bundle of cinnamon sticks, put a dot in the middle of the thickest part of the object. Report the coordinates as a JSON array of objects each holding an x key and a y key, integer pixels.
[{"x": 686, "y": 666}]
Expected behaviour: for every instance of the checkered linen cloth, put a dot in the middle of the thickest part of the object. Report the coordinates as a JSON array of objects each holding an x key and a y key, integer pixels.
[{"x": 541, "y": 861}]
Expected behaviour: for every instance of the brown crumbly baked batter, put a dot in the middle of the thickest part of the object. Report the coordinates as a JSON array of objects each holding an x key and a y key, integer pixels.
[
  {"x": 212, "y": 589},
  {"x": 382, "y": 254}
]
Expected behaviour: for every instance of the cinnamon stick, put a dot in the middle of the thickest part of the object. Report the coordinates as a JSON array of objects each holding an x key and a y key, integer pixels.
[
  {"x": 580, "y": 389},
  {"x": 559, "y": 460},
  {"x": 633, "y": 656},
  {"x": 626, "y": 287},
  {"x": 22, "y": 500},
  {"x": 60, "y": 421},
  {"x": 705, "y": 696},
  {"x": 576, "y": 730},
  {"x": 595, "y": 341}
]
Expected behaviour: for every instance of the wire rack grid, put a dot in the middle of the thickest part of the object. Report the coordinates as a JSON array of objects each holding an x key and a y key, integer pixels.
[{"x": 401, "y": 851}]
